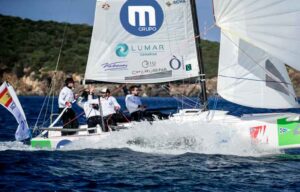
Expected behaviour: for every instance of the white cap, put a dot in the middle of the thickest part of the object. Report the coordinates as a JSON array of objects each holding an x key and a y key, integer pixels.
[{"x": 103, "y": 90}]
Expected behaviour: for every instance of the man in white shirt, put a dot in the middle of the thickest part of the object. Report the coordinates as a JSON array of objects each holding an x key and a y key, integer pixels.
[
  {"x": 110, "y": 107},
  {"x": 91, "y": 109},
  {"x": 134, "y": 104},
  {"x": 65, "y": 99}
]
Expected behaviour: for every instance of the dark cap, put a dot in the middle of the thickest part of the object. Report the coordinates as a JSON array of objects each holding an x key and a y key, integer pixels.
[{"x": 69, "y": 80}]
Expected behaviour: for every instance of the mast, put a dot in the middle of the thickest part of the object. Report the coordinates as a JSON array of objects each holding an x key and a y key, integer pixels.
[{"x": 203, "y": 95}]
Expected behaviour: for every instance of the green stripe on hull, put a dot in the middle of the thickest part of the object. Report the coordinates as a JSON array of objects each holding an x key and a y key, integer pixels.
[
  {"x": 288, "y": 132},
  {"x": 41, "y": 144}
]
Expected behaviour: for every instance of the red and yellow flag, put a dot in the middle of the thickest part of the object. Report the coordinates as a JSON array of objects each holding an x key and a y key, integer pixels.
[{"x": 5, "y": 98}]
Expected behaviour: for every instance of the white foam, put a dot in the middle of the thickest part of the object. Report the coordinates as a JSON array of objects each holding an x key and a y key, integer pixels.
[
  {"x": 14, "y": 145},
  {"x": 170, "y": 137}
]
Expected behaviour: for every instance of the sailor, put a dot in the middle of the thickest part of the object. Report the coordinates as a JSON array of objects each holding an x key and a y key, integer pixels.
[
  {"x": 110, "y": 107},
  {"x": 90, "y": 106},
  {"x": 134, "y": 104},
  {"x": 65, "y": 99}
]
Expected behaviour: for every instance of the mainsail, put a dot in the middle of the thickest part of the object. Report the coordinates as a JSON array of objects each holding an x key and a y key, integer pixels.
[
  {"x": 10, "y": 101},
  {"x": 257, "y": 39},
  {"x": 138, "y": 41}
]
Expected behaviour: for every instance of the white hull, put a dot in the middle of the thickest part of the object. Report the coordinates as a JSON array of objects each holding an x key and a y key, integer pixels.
[
  {"x": 272, "y": 130},
  {"x": 53, "y": 139}
]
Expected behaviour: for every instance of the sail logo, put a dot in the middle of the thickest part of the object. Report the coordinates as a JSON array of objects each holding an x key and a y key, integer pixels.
[
  {"x": 175, "y": 63},
  {"x": 141, "y": 11},
  {"x": 141, "y": 18},
  {"x": 116, "y": 66},
  {"x": 122, "y": 50}
]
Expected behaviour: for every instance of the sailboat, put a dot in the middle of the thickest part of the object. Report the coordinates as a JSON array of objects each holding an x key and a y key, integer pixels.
[
  {"x": 157, "y": 41},
  {"x": 151, "y": 42}
]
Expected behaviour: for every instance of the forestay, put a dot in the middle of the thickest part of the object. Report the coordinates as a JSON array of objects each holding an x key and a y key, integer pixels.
[
  {"x": 10, "y": 101},
  {"x": 138, "y": 41}
]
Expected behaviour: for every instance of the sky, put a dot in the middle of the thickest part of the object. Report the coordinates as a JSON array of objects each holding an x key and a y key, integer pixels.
[{"x": 82, "y": 12}]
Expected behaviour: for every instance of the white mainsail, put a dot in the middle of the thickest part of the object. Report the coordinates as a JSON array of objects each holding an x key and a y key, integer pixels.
[
  {"x": 142, "y": 42},
  {"x": 258, "y": 39},
  {"x": 10, "y": 101}
]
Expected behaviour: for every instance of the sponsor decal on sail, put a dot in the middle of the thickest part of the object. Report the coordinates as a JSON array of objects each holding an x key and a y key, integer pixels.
[
  {"x": 116, "y": 66},
  {"x": 141, "y": 18}
]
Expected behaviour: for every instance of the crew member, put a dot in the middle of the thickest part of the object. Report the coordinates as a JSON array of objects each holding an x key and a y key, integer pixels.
[
  {"x": 65, "y": 99},
  {"x": 91, "y": 108},
  {"x": 110, "y": 107},
  {"x": 134, "y": 104}
]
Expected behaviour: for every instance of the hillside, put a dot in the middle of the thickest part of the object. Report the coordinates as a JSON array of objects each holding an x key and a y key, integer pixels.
[
  {"x": 35, "y": 45},
  {"x": 29, "y": 52}
]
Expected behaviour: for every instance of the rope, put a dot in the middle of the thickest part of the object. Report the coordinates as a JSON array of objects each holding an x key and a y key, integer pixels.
[
  {"x": 182, "y": 99},
  {"x": 73, "y": 119},
  {"x": 213, "y": 111},
  {"x": 128, "y": 121},
  {"x": 57, "y": 62},
  {"x": 35, "y": 125}
]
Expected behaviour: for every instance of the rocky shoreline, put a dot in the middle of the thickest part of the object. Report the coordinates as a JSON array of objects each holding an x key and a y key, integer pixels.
[{"x": 39, "y": 85}]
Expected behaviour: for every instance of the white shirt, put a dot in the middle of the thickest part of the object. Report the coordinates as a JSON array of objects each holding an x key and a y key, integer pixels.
[
  {"x": 88, "y": 106},
  {"x": 108, "y": 105},
  {"x": 65, "y": 95},
  {"x": 132, "y": 103}
]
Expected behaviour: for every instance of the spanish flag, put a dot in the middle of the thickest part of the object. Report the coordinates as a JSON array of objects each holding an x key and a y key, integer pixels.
[{"x": 5, "y": 98}]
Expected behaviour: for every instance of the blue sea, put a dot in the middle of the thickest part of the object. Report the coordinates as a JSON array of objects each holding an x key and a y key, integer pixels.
[{"x": 158, "y": 157}]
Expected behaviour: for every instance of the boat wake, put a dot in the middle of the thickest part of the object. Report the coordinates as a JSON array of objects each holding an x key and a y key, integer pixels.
[
  {"x": 14, "y": 145},
  {"x": 170, "y": 137}
]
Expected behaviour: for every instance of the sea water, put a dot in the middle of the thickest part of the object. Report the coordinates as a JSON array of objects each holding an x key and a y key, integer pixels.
[{"x": 162, "y": 156}]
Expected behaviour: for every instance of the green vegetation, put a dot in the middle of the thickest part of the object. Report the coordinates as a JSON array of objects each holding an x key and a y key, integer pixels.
[
  {"x": 210, "y": 51},
  {"x": 36, "y": 45}
]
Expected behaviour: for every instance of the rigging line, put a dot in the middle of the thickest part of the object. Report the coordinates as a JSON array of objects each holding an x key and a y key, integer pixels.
[
  {"x": 211, "y": 113},
  {"x": 187, "y": 98},
  {"x": 243, "y": 78},
  {"x": 57, "y": 62},
  {"x": 35, "y": 125},
  {"x": 266, "y": 71},
  {"x": 181, "y": 100},
  {"x": 73, "y": 119},
  {"x": 59, "y": 55},
  {"x": 206, "y": 31},
  {"x": 46, "y": 109}
]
